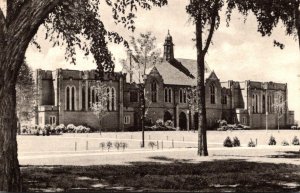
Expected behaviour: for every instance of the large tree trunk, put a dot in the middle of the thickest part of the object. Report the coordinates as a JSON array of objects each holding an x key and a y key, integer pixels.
[
  {"x": 142, "y": 109},
  {"x": 202, "y": 140},
  {"x": 9, "y": 164}
]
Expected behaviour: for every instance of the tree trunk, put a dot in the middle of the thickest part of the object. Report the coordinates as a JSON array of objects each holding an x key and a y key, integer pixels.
[
  {"x": 297, "y": 20},
  {"x": 202, "y": 140},
  {"x": 9, "y": 164}
]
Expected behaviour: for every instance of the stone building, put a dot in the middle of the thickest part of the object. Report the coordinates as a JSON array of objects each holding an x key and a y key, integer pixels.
[{"x": 65, "y": 97}]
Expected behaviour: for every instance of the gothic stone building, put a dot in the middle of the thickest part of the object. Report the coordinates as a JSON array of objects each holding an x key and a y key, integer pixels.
[{"x": 65, "y": 97}]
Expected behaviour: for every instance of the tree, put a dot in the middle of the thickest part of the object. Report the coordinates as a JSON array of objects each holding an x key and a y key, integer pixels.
[
  {"x": 99, "y": 107},
  {"x": 66, "y": 21},
  {"x": 269, "y": 13},
  {"x": 145, "y": 54},
  {"x": 26, "y": 94},
  {"x": 205, "y": 15}
]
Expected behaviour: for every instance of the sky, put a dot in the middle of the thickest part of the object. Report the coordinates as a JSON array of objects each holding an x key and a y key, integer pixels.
[{"x": 238, "y": 52}]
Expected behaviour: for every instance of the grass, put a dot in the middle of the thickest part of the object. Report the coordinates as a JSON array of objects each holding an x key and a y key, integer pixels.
[{"x": 167, "y": 175}]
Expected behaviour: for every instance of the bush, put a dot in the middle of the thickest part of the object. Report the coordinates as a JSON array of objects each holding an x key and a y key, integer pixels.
[
  {"x": 108, "y": 145},
  {"x": 285, "y": 143},
  {"x": 272, "y": 140},
  {"x": 296, "y": 141},
  {"x": 117, "y": 145},
  {"x": 159, "y": 123},
  {"x": 102, "y": 145},
  {"x": 60, "y": 129},
  {"x": 228, "y": 142},
  {"x": 151, "y": 144},
  {"x": 251, "y": 143},
  {"x": 236, "y": 142},
  {"x": 71, "y": 128},
  {"x": 169, "y": 124},
  {"x": 123, "y": 145}
]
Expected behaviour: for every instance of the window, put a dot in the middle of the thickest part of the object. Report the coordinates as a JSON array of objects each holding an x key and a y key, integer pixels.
[
  {"x": 256, "y": 103},
  {"x": 70, "y": 95},
  {"x": 68, "y": 99},
  {"x": 244, "y": 120},
  {"x": 52, "y": 120},
  {"x": 89, "y": 97},
  {"x": 168, "y": 95},
  {"x": 224, "y": 99},
  {"x": 83, "y": 98},
  {"x": 180, "y": 95},
  {"x": 212, "y": 94},
  {"x": 154, "y": 91},
  {"x": 113, "y": 99},
  {"x": 184, "y": 95},
  {"x": 126, "y": 120},
  {"x": 264, "y": 104},
  {"x": 133, "y": 96}
]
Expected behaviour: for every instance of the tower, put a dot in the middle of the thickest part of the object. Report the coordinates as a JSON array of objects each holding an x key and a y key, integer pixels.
[{"x": 168, "y": 48}]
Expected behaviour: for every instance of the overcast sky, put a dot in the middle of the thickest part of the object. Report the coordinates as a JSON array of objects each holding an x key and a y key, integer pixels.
[{"x": 238, "y": 52}]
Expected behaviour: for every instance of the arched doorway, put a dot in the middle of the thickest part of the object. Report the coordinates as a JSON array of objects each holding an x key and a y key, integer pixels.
[
  {"x": 182, "y": 121},
  {"x": 167, "y": 116},
  {"x": 196, "y": 121}
]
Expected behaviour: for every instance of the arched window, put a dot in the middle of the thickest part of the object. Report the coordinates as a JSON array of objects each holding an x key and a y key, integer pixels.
[
  {"x": 93, "y": 94},
  {"x": 166, "y": 95},
  {"x": 108, "y": 99},
  {"x": 170, "y": 95},
  {"x": 180, "y": 96},
  {"x": 89, "y": 97},
  {"x": 68, "y": 98},
  {"x": 263, "y": 104},
  {"x": 256, "y": 103},
  {"x": 212, "y": 94},
  {"x": 83, "y": 98},
  {"x": 73, "y": 99},
  {"x": 253, "y": 103},
  {"x": 224, "y": 99},
  {"x": 184, "y": 95},
  {"x": 113, "y": 99},
  {"x": 154, "y": 92}
]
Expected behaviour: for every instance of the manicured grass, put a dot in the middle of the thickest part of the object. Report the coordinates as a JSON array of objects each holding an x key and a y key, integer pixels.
[{"x": 166, "y": 175}]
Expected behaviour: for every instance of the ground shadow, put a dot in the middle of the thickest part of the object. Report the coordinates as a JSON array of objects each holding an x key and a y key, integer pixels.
[
  {"x": 177, "y": 175},
  {"x": 286, "y": 154}
]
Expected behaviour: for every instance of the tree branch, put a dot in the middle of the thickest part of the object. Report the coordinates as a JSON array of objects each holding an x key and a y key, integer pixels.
[
  {"x": 2, "y": 23},
  {"x": 212, "y": 27}
]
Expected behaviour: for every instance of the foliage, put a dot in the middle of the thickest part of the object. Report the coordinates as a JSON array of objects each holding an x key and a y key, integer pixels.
[
  {"x": 269, "y": 13},
  {"x": 60, "y": 128},
  {"x": 296, "y": 141},
  {"x": 26, "y": 93},
  {"x": 236, "y": 142},
  {"x": 227, "y": 142},
  {"x": 285, "y": 143},
  {"x": 117, "y": 145},
  {"x": 102, "y": 145},
  {"x": 99, "y": 107},
  {"x": 272, "y": 140},
  {"x": 251, "y": 143},
  {"x": 71, "y": 128},
  {"x": 109, "y": 145},
  {"x": 159, "y": 123},
  {"x": 123, "y": 145},
  {"x": 151, "y": 144}
]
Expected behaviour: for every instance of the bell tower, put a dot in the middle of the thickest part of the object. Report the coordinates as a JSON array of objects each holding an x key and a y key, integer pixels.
[{"x": 168, "y": 48}]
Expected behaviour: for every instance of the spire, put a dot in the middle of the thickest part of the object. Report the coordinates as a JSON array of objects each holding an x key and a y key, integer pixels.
[{"x": 168, "y": 47}]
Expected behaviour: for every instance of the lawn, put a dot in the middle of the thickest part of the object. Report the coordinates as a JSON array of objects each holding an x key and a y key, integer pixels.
[
  {"x": 167, "y": 175},
  {"x": 52, "y": 164}
]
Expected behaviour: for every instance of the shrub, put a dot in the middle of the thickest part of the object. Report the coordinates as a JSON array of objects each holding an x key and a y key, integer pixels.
[
  {"x": 117, "y": 145},
  {"x": 108, "y": 145},
  {"x": 169, "y": 124},
  {"x": 70, "y": 128},
  {"x": 151, "y": 144},
  {"x": 102, "y": 145},
  {"x": 296, "y": 141},
  {"x": 272, "y": 140},
  {"x": 123, "y": 145},
  {"x": 228, "y": 142},
  {"x": 236, "y": 142},
  {"x": 285, "y": 143},
  {"x": 251, "y": 143},
  {"x": 159, "y": 123},
  {"x": 60, "y": 128}
]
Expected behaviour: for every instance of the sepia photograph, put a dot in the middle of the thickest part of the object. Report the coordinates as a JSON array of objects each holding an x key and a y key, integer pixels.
[{"x": 149, "y": 95}]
